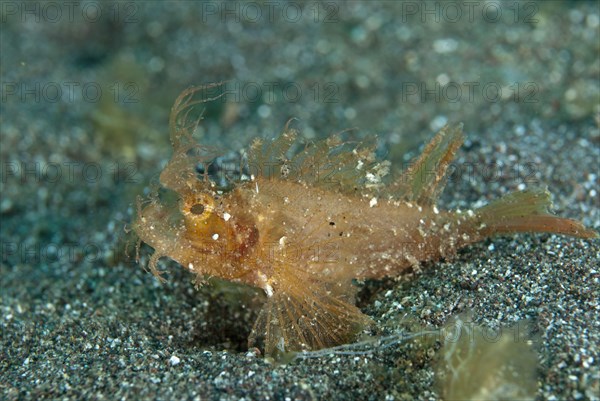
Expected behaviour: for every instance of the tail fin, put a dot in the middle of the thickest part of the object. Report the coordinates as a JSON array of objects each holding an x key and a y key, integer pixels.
[{"x": 527, "y": 211}]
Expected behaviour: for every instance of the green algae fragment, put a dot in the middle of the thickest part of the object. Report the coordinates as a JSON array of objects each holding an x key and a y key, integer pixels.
[{"x": 477, "y": 363}]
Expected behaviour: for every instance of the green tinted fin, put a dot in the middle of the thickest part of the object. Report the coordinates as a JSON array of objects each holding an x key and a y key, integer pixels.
[{"x": 423, "y": 181}]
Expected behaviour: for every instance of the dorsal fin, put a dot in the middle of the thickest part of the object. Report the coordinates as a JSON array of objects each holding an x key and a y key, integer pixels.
[
  {"x": 180, "y": 173},
  {"x": 346, "y": 167},
  {"x": 424, "y": 179},
  {"x": 181, "y": 123}
]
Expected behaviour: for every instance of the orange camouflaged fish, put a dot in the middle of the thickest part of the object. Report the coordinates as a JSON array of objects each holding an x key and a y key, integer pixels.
[{"x": 302, "y": 225}]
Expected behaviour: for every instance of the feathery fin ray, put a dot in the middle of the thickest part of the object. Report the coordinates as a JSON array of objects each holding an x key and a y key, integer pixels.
[
  {"x": 301, "y": 314},
  {"x": 424, "y": 180}
]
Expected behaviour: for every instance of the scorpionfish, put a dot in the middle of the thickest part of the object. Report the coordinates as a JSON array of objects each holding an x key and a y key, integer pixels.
[{"x": 303, "y": 222}]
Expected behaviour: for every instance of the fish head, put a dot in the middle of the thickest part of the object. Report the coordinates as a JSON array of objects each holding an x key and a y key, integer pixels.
[{"x": 219, "y": 225}]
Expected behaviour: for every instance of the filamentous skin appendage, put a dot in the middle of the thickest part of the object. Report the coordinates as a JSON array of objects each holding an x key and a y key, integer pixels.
[{"x": 302, "y": 227}]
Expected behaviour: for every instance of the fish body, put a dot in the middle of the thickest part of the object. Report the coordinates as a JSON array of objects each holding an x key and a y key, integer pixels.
[
  {"x": 334, "y": 235},
  {"x": 303, "y": 227}
]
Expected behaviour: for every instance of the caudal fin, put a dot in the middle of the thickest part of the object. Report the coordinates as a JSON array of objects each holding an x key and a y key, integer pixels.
[{"x": 527, "y": 211}]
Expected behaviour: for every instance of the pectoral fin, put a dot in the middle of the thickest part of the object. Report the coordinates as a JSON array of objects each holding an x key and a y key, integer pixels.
[{"x": 303, "y": 315}]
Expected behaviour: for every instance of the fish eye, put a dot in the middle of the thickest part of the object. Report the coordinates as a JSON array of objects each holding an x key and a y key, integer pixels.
[{"x": 198, "y": 206}]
